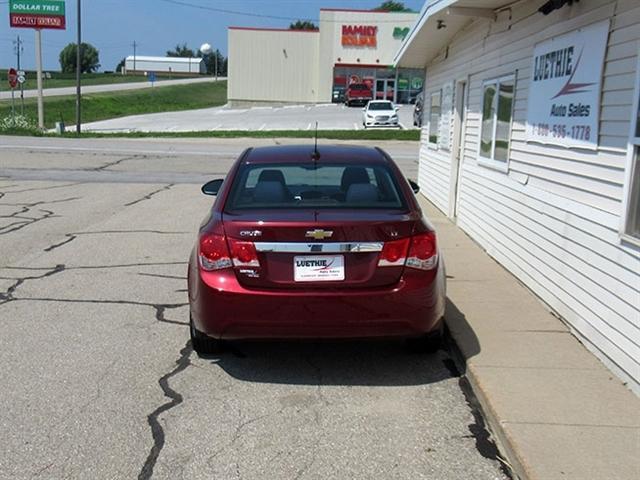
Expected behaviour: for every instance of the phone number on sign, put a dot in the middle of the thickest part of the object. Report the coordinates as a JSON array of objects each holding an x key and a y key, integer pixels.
[{"x": 576, "y": 132}]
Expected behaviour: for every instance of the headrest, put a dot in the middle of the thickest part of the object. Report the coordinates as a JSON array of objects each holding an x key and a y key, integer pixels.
[
  {"x": 269, "y": 192},
  {"x": 362, "y": 193},
  {"x": 353, "y": 175},
  {"x": 271, "y": 176}
]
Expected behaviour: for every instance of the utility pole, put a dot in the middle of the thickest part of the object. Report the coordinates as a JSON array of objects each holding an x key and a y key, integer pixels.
[
  {"x": 19, "y": 49},
  {"x": 39, "y": 79},
  {"x": 135, "y": 45},
  {"x": 78, "y": 66},
  {"x": 216, "y": 63}
]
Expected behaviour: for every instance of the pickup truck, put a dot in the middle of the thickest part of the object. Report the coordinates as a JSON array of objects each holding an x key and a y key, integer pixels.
[{"x": 358, "y": 93}]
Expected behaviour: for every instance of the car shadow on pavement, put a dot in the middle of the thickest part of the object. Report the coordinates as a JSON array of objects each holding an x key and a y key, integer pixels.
[
  {"x": 347, "y": 362},
  {"x": 463, "y": 342},
  {"x": 352, "y": 362}
]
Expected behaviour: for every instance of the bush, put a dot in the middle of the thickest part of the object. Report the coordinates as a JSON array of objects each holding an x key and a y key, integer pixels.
[{"x": 19, "y": 124}]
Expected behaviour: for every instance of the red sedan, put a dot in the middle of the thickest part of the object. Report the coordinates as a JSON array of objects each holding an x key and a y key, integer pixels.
[{"x": 315, "y": 244}]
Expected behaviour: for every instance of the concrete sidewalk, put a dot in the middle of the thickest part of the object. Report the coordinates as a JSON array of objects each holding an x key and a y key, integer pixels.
[{"x": 556, "y": 410}]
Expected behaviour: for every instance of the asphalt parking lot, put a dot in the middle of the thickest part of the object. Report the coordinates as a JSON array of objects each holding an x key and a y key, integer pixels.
[
  {"x": 99, "y": 379},
  {"x": 290, "y": 117}
]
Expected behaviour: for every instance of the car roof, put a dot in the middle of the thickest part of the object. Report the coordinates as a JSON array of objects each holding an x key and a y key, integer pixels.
[{"x": 351, "y": 154}]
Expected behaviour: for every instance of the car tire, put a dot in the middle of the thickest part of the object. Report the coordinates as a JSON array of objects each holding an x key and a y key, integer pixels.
[
  {"x": 203, "y": 344},
  {"x": 429, "y": 342}
]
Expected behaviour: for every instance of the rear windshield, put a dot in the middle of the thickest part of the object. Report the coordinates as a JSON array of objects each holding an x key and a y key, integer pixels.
[
  {"x": 311, "y": 185},
  {"x": 359, "y": 86}
]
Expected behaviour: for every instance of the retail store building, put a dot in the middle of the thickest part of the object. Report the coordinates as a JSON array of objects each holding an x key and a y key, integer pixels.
[
  {"x": 302, "y": 66},
  {"x": 531, "y": 143}
]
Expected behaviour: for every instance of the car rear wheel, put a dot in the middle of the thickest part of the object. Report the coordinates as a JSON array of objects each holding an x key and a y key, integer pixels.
[
  {"x": 203, "y": 344},
  {"x": 429, "y": 342}
]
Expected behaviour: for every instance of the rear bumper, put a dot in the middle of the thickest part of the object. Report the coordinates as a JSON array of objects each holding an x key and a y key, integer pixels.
[
  {"x": 222, "y": 308},
  {"x": 363, "y": 100}
]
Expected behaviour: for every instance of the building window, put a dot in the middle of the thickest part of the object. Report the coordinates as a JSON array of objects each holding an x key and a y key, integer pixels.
[
  {"x": 497, "y": 112},
  {"x": 434, "y": 117},
  {"x": 631, "y": 220}
]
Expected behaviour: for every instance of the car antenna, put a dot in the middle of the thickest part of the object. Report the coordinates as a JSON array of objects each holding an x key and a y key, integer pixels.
[{"x": 316, "y": 154}]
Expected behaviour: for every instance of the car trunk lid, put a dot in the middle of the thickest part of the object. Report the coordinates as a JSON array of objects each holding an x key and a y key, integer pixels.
[{"x": 326, "y": 249}]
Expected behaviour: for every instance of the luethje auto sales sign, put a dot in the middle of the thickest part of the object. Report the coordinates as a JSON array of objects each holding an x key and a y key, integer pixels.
[
  {"x": 564, "y": 91},
  {"x": 38, "y": 14}
]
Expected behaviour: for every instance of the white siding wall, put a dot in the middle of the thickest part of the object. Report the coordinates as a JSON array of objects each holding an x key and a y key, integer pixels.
[
  {"x": 553, "y": 219},
  {"x": 195, "y": 66},
  {"x": 273, "y": 65}
]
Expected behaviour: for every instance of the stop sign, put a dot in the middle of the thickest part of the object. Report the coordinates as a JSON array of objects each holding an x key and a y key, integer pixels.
[{"x": 13, "y": 78}]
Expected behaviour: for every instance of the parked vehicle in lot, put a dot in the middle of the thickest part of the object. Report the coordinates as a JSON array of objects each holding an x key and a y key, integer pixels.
[
  {"x": 380, "y": 113},
  {"x": 358, "y": 93},
  {"x": 315, "y": 244},
  {"x": 418, "y": 111},
  {"x": 338, "y": 94}
]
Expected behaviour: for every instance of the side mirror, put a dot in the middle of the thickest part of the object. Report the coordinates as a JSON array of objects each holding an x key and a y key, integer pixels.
[
  {"x": 364, "y": 109},
  {"x": 414, "y": 186},
  {"x": 396, "y": 108},
  {"x": 212, "y": 187}
]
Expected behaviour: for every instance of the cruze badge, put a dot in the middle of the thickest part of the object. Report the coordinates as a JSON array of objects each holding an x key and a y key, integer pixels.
[
  {"x": 250, "y": 233},
  {"x": 319, "y": 234}
]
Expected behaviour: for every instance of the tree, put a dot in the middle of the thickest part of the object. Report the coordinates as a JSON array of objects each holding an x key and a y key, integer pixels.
[
  {"x": 120, "y": 65},
  {"x": 303, "y": 25},
  {"x": 391, "y": 6},
  {"x": 210, "y": 63},
  {"x": 89, "y": 58},
  {"x": 181, "y": 51}
]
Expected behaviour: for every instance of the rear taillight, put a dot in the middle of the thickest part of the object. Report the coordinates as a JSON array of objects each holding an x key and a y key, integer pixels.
[
  {"x": 423, "y": 253},
  {"x": 243, "y": 254},
  {"x": 394, "y": 253},
  {"x": 419, "y": 251},
  {"x": 214, "y": 253}
]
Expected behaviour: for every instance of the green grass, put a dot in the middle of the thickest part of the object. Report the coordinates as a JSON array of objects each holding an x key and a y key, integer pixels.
[
  {"x": 405, "y": 135},
  {"x": 59, "y": 80},
  {"x": 102, "y": 106}
]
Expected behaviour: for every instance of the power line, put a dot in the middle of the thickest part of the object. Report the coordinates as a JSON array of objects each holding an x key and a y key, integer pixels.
[{"x": 272, "y": 17}]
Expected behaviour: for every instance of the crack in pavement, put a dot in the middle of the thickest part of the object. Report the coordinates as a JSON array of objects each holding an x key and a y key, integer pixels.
[
  {"x": 27, "y": 221},
  {"x": 7, "y": 296},
  {"x": 25, "y": 208},
  {"x": 37, "y": 189},
  {"x": 157, "y": 432},
  {"x": 478, "y": 430},
  {"x": 93, "y": 267},
  {"x": 113, "y": 164},
  {"x": 70, "y": 239},
  {"x": 73, "y": 235},
  {"x": 149, "y": 195},
  {"x": 158, "y": 275},
  {"x": 160, "y": 308}
]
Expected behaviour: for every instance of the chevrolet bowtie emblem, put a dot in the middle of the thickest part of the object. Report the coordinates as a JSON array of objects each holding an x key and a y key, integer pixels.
[{"x": 319, "y": 234}]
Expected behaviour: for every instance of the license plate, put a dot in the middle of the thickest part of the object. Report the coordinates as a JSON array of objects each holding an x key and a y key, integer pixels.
[{"x": 318, "y": 268}]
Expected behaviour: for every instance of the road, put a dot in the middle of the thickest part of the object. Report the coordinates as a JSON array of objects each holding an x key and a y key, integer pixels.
[
  {"x": 99, "y": 379},
  {"x": 289, "y": 117},
  {"x": 110, "y": 87}
]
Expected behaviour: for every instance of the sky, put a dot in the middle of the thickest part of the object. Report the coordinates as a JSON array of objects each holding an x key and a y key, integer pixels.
[{"x": 158, "y": 25}]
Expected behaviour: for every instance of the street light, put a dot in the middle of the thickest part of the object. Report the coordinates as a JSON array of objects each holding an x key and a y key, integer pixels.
[{"x": 206, "y": 49}]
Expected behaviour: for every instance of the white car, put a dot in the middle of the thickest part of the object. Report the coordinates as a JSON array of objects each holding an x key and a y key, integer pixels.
[{"x": 380, "y": 113}]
